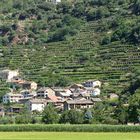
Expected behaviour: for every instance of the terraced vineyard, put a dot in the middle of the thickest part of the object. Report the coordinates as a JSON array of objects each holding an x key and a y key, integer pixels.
[{"x": 80, "y": 58}]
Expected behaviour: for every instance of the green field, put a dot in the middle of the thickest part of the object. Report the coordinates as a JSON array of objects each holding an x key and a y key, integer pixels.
[{"x": 67, "y": 136}]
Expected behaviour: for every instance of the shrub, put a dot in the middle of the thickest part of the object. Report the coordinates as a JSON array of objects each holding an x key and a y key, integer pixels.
[
  {"x": 7, "y": 120},
  {"x": 37, "y": 120},
  {"x": 23, "y": 119}
]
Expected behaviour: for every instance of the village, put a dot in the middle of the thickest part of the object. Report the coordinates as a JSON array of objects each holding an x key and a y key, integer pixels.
[
  {"x": 69, "y": 69},
  {"x": 35, "y": 98}
]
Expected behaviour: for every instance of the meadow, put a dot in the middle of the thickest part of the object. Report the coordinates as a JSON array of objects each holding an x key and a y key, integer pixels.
[{"x": 67, "y": 136}]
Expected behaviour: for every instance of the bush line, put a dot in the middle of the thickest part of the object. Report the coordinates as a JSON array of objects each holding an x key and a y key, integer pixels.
[{"x": 69, "y": 128}]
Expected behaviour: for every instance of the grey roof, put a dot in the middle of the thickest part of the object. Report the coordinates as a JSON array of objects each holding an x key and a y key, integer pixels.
[
  {"x": 79, "y": 102},
  {"x": 64, "y": 94},
  {"x": 76, "y": 85},
  {"x": 96, "y": 99},
  {"x": 58, "y": 89},
  {"x": 90, "y": 88},
  {"x": 27, "y": 98},
  {"x": 80, "y": 94},
  {"x": 38, "y": 101},
  {"x": 13, "y": 94},
  {"x": 43, "y": 89}
]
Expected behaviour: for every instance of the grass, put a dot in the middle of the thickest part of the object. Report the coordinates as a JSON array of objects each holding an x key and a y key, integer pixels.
[{"x": 67, "y": 136}]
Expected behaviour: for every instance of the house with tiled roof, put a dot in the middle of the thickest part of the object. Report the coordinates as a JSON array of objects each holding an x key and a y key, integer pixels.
[
  {"x": 64, "y": 93},
  {"x": 92, "y": 83}
]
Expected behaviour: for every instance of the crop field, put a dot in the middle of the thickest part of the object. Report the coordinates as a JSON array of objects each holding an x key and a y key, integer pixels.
[{"x": 67, "y": 136}]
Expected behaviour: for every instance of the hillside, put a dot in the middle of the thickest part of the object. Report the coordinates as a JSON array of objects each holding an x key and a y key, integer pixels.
[{"x": 71, "y": 42}]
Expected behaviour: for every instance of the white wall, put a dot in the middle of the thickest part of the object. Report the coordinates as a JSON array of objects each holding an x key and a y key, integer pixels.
[
  {"x": 96, "y": 92},
  {"x": 9, "y": 74},
  {"x": 33, "y": 85},
  {"x": 38, "y": 107},
  {"x": 54, "y": 1},
  {"x": 93, "y": 84}
]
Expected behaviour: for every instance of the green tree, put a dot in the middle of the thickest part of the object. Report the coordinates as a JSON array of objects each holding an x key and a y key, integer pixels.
[
  {"x": 106, "y": 40},
  {"x": 102, "y": 113},
  {"x": 72, "y": 117},
  {"x": 134, "y": 107},
  {"x": 46, "y": 6},
  {"x": 135, "y": 34},
  {"x": 50, "y": 115},
  {"x": 88, "y": 118},
  {"x": 24, "y": 117},
  {"x": 18, "y": 4},
  {"x": 79, "y": 9},
  {"x": 64, "y": 117},
  {"x": 121, "y": 113},
  {"x": 64, "y": 7},
  {"x": 136, "y": 7}
]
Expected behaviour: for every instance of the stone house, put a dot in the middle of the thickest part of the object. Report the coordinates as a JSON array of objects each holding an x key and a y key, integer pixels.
[
  {"x": 8, "y": 74},
  {"x": 36, "y": 104},
  {"x": 92, "y": 83},
  {"x": 77, "y": 104},
  {"x": 44, "y": 92}
]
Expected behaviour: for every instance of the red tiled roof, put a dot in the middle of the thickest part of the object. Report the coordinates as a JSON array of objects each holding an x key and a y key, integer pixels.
[{"x": 53, "y": 98}]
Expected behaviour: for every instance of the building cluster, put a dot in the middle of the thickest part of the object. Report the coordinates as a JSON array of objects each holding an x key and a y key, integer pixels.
[{"x": 76, "y": 96}]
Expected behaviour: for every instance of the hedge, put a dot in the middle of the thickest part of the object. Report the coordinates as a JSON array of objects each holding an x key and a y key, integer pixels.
[{"x": 69, "y": 128}]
